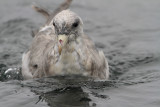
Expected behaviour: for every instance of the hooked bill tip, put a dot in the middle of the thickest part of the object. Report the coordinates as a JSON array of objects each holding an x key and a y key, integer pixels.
[{"x": 60, "y": 41}]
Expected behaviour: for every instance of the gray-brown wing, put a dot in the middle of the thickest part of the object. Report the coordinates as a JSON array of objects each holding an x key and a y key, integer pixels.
[
  {"x": 42, "y": 53},
  {"x": 93, "y": 60}
]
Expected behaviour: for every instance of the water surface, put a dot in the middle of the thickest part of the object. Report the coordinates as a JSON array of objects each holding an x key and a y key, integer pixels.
[{"x": 128, "y": 31}]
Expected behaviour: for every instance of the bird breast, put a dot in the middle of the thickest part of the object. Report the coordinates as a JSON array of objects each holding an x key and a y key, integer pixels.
[{"x": 68, "y": 62}]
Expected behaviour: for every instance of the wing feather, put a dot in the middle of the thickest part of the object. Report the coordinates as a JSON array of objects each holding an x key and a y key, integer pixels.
[
  {"x": 93, "y": 60},
  {"x": 41, "y": 53}
]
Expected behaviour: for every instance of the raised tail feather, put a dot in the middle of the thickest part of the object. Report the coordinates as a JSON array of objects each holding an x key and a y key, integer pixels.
[
  {"x": 41, "y": 10},
  {"x": 49, "y": 16}
]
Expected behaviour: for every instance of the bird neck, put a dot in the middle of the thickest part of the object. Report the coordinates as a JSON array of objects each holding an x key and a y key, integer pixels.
[{"x": 69, "y": 48}]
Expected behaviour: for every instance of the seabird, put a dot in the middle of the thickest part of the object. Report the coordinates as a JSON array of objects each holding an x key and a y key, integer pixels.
[{"x": 61, "y": 47}]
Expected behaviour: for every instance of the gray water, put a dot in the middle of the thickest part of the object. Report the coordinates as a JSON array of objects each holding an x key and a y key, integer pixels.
[{"x": 128, "y": 31}]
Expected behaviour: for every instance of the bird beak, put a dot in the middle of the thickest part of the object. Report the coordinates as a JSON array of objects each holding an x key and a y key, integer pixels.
[{"x": 62, "y": 39}]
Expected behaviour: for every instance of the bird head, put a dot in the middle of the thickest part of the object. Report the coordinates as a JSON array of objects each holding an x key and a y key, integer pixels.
[{"x": 68, "y": 27}]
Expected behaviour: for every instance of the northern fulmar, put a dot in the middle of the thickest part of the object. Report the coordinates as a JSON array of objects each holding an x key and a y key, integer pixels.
[{"x": 60, "y": 48}]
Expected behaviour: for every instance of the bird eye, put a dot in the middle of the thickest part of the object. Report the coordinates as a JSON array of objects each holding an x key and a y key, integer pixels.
[
  {"x": 54, "y": 24},
  {"x": 75, "y": 24}
]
